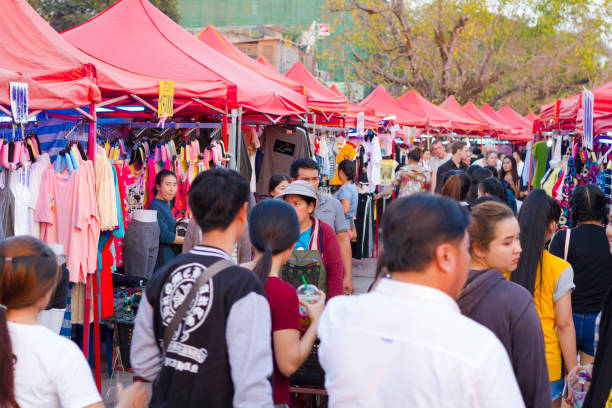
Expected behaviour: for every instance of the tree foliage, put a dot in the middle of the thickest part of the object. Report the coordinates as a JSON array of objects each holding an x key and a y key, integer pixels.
[
  {"x": 521, "y": 52},
  {"x": 64, "y": 14}
]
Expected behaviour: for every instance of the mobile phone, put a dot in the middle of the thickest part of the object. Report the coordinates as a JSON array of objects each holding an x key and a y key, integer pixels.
[{"x": 565, "y": 392}]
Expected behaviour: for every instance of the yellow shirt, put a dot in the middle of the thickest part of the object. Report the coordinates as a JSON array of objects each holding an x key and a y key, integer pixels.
[
  {"x": 544, "y": 299},
  {"x": 346, "y": 152}
]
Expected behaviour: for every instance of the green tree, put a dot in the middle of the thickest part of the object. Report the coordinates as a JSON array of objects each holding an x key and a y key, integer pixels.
[
  {"x": 64, "y": 14},
  {"x": 521, "y": 52}
]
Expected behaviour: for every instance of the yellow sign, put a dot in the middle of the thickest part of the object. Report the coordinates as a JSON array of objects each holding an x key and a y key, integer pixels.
[
  {"x": 387, "y": 173},
  {"x": 165, "y": 106}
]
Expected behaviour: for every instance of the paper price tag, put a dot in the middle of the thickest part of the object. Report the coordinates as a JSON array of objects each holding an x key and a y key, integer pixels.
[{"x": 165, "y": 106}]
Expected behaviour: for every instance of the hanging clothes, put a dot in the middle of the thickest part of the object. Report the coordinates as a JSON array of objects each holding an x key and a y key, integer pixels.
[
  {"x": 346, "y": 151},
  {"x": 21, "y": 194},
  {"x": 106, "y": 193},
  {"x": 7, "y": 206},
  {"x": 36, "y": 174},
  {"x": 67, "y": 212},
  {"x": 281, "y": 147},
  {"x": 373, "y": 159},
  {"x": 540, "y": 153}
]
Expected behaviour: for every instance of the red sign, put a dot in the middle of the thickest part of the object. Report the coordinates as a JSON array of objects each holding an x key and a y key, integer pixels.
[{"x": 324, "y": 30}]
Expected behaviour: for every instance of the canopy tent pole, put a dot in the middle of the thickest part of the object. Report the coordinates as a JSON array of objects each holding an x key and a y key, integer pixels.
[
  {"x": 91, "y": 152},
  {"x": 239, "y": 136},
  {"x": 224, "y": 129},
  {"x": 231, "y": 148}
]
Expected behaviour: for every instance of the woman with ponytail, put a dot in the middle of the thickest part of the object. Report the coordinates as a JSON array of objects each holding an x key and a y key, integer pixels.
[
  {"x": 37, "y": 367},
  {"x": 274, "y": 228}
]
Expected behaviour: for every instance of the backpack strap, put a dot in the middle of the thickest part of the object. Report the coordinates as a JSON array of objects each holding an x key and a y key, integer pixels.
[{"x": 314, "y": 241}]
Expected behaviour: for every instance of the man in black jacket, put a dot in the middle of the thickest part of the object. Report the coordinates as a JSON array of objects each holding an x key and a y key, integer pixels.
[
  {"x": 220, "y": 355},
  {"x": 461, "y": 152}
]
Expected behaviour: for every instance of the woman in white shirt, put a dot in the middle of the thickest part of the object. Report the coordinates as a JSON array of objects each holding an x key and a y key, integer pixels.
[{"x": 37, "y": 367}]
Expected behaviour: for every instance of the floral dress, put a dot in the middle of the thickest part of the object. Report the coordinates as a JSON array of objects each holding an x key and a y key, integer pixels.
[{"x": 411, "y": 179}]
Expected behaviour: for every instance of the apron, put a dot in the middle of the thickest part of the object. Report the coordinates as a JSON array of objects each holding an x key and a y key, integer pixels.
[{"x": 308, "y": 264}]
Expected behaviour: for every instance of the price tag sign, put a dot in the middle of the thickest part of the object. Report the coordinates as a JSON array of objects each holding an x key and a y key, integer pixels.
[
  {"x": 19, "y": 102},
  {"x": 165, "y": 106}
]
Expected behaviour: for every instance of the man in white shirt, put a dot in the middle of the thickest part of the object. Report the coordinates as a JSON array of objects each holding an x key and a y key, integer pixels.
[
  {"x": 439, "y": 156},
  {"x": 406, "y": 344}
]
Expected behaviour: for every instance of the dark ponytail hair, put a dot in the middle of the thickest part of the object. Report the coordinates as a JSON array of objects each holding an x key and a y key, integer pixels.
[
  {"x": 537, "y": 212},
  {"x": 588, "y": 203},
  {"x": 276, "y": 179},
  {"x": 478, "y": 174},
  {"x": 348, "y": 168},
  {"x": 493, "y": 187},
  {"x": 273, "y": 228},
  {"x": 28, "y": 271},
  {"x": 159, "y": 179}
]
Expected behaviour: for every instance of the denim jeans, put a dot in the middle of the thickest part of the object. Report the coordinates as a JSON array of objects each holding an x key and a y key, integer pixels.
[{"x": 585, "y": 332}]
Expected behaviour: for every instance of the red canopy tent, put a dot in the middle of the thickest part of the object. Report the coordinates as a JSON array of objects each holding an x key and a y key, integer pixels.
[
  {"x": 604, "y": 87},
  {"x": 371, "y": 119},
  {"x": 214, "y": 39},
  {"x": 515, "y": 133},
  {"x": 602, "y": 113},
  {"x": 476, "y": 113},
  {"x": 320, "y": 98},
  {"x": 436, "y": 116},
  {"x": 511, "y": 116},
  {"x": 33, "y": 52},
  {"x": 335, "y": 90},
  {"x": 154, "y": 45},
  {"x": 531, "y": 117},
  {"x": 263, "y": 61},
  {"x": 451, "y": 105},
  {"x": 383, "y": 102}
]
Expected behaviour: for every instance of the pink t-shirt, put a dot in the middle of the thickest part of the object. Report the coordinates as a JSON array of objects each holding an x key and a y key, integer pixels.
[{"x": 67, "y": 216}]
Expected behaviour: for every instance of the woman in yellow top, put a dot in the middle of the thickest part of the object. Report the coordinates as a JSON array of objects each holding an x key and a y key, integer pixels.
[{"x": 550, "y": 280}]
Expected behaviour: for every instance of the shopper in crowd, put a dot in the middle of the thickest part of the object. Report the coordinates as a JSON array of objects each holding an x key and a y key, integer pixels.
[
  {"x": 476, "y": 155},
  {"x": 493, "y": 187},
  {"x": 588, "y": 251},
  {"x": 426, "y": 158},
  {"x": 493, "y": 170},
  {"x": 509, "y": 177},
  {"x": 348, "y": 194},
  {"x": 550, "y": 280},
  {"x": 316, "y": 245},
  {"x": 39, "y": 368},
  {"x": 504, "y": 307},
  {"x": 601, "y": 385},
  {"x": 410, "y": 179},
  {"x": 169, "y": 241},
  {"x": 278, "y": 183},
  {"x": 460, "y": 150},
  {"x": 274, "y": 229},
  {"x": 477, "y": 173},
  {"x": 490, "y": 158},
  {"x": 244, "y": 252},
  {"x": 457, "y": 186},
  {"x": 220, "y": 354},
  {"x": 520, "y": 161},
  {"x": 439, "y": 156},
  {"x": 329, "y": 210},
  {"x": 406, "y": 344}
]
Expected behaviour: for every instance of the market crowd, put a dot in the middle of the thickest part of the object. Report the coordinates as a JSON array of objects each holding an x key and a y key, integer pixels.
[{"x": 480, "y": 300}]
